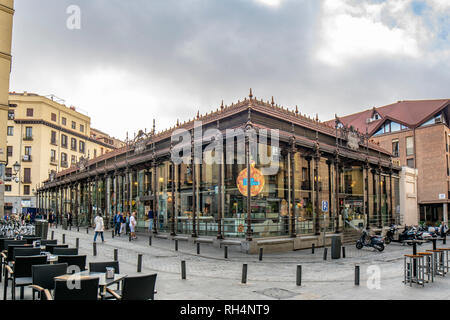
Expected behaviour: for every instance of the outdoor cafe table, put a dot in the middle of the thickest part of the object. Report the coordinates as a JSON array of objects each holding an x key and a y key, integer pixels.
[
  {"x": 103, "y": 281},
  {"x": 414, "y": 242}
]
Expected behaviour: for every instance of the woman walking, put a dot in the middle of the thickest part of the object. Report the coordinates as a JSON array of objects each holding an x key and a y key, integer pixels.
[{"x": 99, "y": 227}]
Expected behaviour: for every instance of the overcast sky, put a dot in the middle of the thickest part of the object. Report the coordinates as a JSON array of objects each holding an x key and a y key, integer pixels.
[{"x": 135, "y": 60}]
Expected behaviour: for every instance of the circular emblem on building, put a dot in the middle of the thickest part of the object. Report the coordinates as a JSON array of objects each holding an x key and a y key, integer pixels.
[{"x": 256, "y": 181}]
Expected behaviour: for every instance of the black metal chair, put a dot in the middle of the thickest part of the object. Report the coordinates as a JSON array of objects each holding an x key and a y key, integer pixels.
[
  {"x": 30, "y": 240},
  {"x": 87, "y": 290},
  {"x": 50, "y": 247},
  {"x": 101, "y": 266},
  {"x": 25, "y": 252},
  {"x": 46, "y": 242},
  {"x": 79, "y": 261},
  {"x": 11, "y": 247},
  {"x": 20, "y": 274},
  {"x": 2, "y": 254},
  {"x": 2, "y": 243},
  {"x": 136, "y": 288},
  {"x": 65, "y": 251},
  {"x": 43, "y": 277}
]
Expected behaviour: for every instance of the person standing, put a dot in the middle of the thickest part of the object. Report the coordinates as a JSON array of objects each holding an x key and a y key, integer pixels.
[
  {"x": 133, "y": 226},
  {"x": 117, "y": 224},
  {"x": 99, "y": 227},
  {"x": 127, "y": 223},
  {"x": 150, "y": 220},
  {"x": 123, "y": 221}
]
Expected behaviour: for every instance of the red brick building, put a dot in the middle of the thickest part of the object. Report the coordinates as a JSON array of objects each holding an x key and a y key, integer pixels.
[{"x": 417, "y": 134}]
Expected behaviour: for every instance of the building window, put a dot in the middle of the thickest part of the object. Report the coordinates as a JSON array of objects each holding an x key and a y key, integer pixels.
[
  {"x": 395, "y": 148},
  {"x": 74, "y": 125},
  {"x": 81, "y": 128},
  {"x": 64, "y": 141},
  {"x": 64, "y": 160},
  {"x": 26, "y": 175},
  {"x": 53, "y": 138},
  {"x": 8, "y": 172},
  {"x": 73, "y": 144},
  {"x": 53, "y": 155},
  {"x": 409, "y": 146},
  {"x": 53, "y": 116},
  {"x": 11, "y": 115},
  {"x": 10, "y": 151},
  {"x": 410, "y": 163},
  {"x": 26, "y": 190},
  {"x": 64, "y": 120},
  {"x": 448, "y": 172},
  {"x": 7, "y": 187},
  {"x": 27, "y": 156},
  {"x": 95, "y": 153},
  {"x": 29, "y": 112},
  {"x": 82, "y": 146},
  {"x": 29, "y": 133},
  {"x": 10, "y": 131},
  {"x": 74, "y": 160}
]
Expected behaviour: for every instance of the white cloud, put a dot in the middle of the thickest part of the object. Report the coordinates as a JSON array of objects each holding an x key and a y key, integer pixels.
[
  {"x": 270, "y": 3},
  {"x": 353, "y": 30}
]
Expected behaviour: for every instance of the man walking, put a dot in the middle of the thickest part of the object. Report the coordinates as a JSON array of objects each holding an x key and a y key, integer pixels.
[
  {"x": 150, "y": 220},
  {"x": 133, "y": 226},
  {"x": 99, "y": 227}
]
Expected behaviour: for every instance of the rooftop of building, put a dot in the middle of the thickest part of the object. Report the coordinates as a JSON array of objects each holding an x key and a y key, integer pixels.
[{"x": 410, "y": 113}]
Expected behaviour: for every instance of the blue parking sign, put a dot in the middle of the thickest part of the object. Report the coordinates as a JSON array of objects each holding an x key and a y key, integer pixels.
[{"x": 324, "y": 206}]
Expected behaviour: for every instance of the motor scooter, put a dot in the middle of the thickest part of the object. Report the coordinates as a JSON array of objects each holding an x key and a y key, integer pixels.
[{"x": 367, "y": 240}]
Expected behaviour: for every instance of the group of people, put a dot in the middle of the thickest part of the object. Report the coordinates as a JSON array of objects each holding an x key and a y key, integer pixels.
[{"x": 124, "y": 222}]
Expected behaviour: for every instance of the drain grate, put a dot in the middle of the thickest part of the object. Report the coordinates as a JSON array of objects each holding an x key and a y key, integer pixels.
[{"x": 277, "y": 293}]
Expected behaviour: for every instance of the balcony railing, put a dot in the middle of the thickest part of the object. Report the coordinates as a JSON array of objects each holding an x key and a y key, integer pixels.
[
  {"x": 26, "y": 158},
  {"x": 28, "y": 138},
  {"x": 64, "y": 164},
  {"x": 54, "y": 161}
]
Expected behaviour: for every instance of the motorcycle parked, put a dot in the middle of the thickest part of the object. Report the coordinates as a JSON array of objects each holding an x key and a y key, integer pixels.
[{"x": 366, "y": 240}]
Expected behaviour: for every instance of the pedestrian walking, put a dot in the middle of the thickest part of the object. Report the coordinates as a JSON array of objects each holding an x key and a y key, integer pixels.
[
  {"x": 99, "y": 227},
  {"x": 133, "y": 226},
  {"x": 150, "y": 220},
  {"x": 127, "y": 223},
  {"x": 123, "y": 221},
  {"x": 117, "y": 223}
]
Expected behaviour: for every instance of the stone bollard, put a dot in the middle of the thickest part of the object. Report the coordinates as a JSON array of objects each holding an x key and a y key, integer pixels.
[
  {"x": 116, "y": 254},
  {"x": 94, "y": 247},
  {"x": 139, "y": 263},
  {"x": 183, "y": 270},
  {"x": 356, "y": 275},
  {"x": 244, "y": 273},
  {"x": 299, "y": 275}
]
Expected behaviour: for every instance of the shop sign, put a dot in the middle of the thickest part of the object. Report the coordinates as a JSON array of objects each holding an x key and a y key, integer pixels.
[
  {"x": 442, "y": 196},
  {"x": 257, "y": 181},
  {"x": 324, "y": 206}
]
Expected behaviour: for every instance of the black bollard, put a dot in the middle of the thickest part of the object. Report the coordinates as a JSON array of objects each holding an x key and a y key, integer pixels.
[
  {"x": 139, "y": 264},
  {"x": 87, "y": 230},
  {"x": 77, "y": 241},
  {"x": 299, "y": 275},
  {"x": 116, "y": 254},
  {"x": 183, "y": 270},
  {"x": 325, "y": 253},
  {"x": 225, "y": 253},
  {"x": 64, "y": 238},
  {"x": 244, "y": 273},
  {"x": 112, "y": 233},
  {"x": 343, "y": 252},
  {"x": 53, "y": 234},
  {"x": 312, "y": 248},
  {"x": 150, "y": 240},
  {"x": 129, "y": 237},
  {"x": 261, "y": 254},
  {"x": 70, "y": 228},
  {"x": 356, "y": 275},
  {"x": 176, "y": 245},
  {"x": 94, "y": 247},
  {"x": 198, "y": 247},
  {"x": 78, "y": 228}
]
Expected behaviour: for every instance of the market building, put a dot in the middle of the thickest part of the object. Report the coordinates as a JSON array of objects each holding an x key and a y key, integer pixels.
[
  {"x": 43, "y": 136},
  {"x": 417, "y": 132},
  {"x": 328, "y": 179}
]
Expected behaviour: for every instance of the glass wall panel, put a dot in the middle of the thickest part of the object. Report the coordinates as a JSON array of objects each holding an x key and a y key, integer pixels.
[
  {"x": 352, "y": 196},
  {"x": 303, "y": 194}
]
